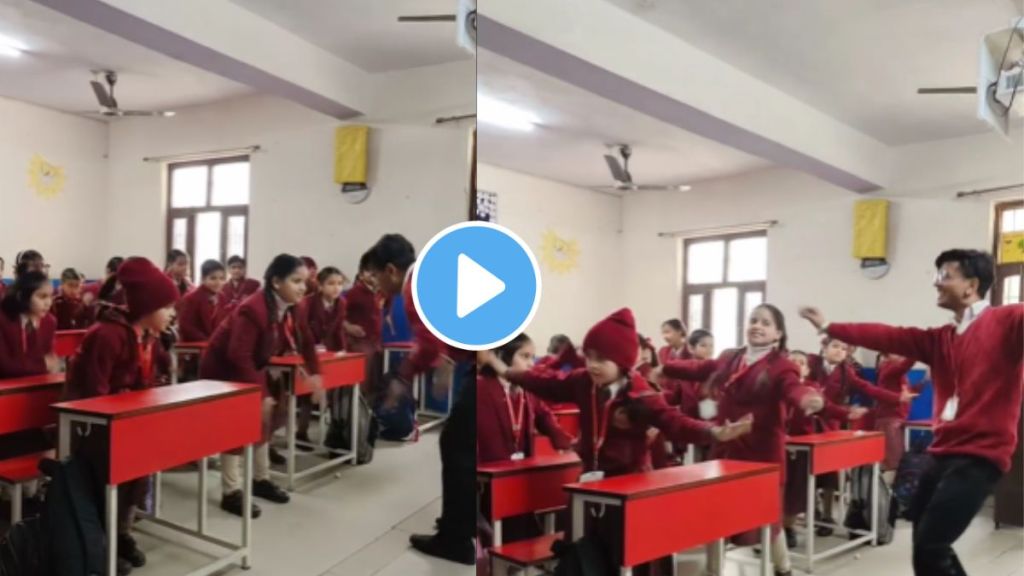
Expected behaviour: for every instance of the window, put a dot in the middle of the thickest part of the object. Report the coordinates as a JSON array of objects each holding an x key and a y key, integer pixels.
[
  {"x": 1009, "y": 281},
  {"x": 725, "y": 279},
  {"x": 208, "y": 209}
]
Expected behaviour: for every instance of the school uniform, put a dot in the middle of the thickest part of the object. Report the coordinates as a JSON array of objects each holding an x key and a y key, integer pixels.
[
  {"x": 234, "y": 292},
  {"x": 764, "y": 384},
  {"x": 183, "y": 285},
  {"x": 326, "y": 321},
  {"x": 668, "y": 354},
  {"x": 199, "y": 314},
  {"x": 839, "y": 381},
  {"x": 508, "y": 419},
  {"x": 71, "y": 313},
  {"x": 890, "y": 416},
  {"x": 977, "y": 366},
  {"x": 24, "y": 345},
  {"x": 799, "y": 423},
  {"x": 363, "y": 308}
]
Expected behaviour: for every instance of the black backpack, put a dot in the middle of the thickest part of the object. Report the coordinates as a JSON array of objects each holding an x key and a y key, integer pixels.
[
  {"x": 858, "y": 515},
  {"x": 23, "y": 550},
  {"x": 585, "y": 557},
  {"x": 72, "y": 522},
  {"x": 340, "y": 431}
]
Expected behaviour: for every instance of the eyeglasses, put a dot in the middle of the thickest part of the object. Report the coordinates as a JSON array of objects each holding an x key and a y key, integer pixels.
[{"x": 943, "y": 275}]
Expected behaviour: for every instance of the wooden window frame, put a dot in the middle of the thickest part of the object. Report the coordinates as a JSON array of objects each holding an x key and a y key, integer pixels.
[
  {"x": 1003, "y": 270},
  {"x": 190, "y": 213},
  {"x": 707, "y": 290}
]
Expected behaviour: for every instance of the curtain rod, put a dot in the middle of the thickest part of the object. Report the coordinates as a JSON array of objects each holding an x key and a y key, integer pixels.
[
  {"x": 204, "y": 155},
  {"x": 737, "y": 228},
  {"x": 447, "y": 119},
  {"x": 980, "y": 191}
]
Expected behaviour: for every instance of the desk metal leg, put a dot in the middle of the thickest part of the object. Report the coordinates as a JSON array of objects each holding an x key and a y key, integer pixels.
[
  {"x": 624, "y": 571},
  {"x": 906, "y": 438},
  {"x": 16, "y": 492},
  {"x": 355, "y": 424},
  {"x": 157, "y": 494},
  {"x": 674, "y": 570},
  {"x": 716, "y": 557},
  {"x": 247, "y": 508},
  {"x": 811, "y": 490},
  {"x": 64, "y": 436},
  {"x": 549, "y": 523},
  {"x": 111, "y": 529},
  {"x": 497, "y": 533},
  {"x": 290, "y": 434},
  {"x": 766, "y": 546},
  {"x": 691, "y": 455},
  {"x": 202, "y": 495},
  {"x": 175, "y": 363},
  {"x": 874, "y": 504},
  {"x": 577, "y": 517}
]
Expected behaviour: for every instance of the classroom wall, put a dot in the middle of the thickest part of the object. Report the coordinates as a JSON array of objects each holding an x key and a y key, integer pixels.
[
  {"x": 79, "y": 146},
  {"x": 418, "y": 171},
  {"x": 809, "y": 251},
  {"x": 530, "y": 206}
]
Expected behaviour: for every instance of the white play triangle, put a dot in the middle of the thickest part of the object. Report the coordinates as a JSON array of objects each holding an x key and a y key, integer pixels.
[{"x": 475, "y": 286}]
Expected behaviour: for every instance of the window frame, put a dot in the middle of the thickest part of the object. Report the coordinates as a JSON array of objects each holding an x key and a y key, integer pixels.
[{"x": 1003, "y": 270}]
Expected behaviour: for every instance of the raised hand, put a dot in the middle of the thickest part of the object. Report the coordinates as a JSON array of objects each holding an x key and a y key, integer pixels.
[
  {"x": 813, "y": 315},
  {"x": 857, "y": 412}
]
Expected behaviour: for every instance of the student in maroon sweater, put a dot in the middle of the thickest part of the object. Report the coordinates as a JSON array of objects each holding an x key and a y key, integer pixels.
[
  {"x": 391, "y": 263},
  {"x": 177, "y": 270},
  {"x": 69, "y": 309},
  {"x": 265, "y": 325},
  {"x": 30, "y": 261},
  {"x": 756, "y": 380},
  {"x": 118, "y": 355},
  {"x": 238, "y": 287},
  {"x": 27, "y": 328},
  {"x": 324, "y": 312},
  {"x": 199, "y": 312},
  {"x": 890, "y": 416},
  {"x": 977, "y": 364},
  {"x": 363, "y": 324},
  {"x": 674, "y": 333}
]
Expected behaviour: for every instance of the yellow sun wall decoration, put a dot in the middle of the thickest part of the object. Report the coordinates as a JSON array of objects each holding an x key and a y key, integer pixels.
[
  {"x": 45, "y": 179},
  {"x": 558, "y": 254}
]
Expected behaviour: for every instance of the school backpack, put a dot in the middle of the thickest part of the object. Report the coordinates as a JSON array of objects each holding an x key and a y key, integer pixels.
[
  {"x": 23, "y": 550},
  {"x": 858, "y": 514},
  {"x": 585, "y": 557},
  {"x": 339, "y": 434},
  {"x": 396, "y": 411},
  {"x": 71, "y": 520},
  {"x": 912, "y": 466}
]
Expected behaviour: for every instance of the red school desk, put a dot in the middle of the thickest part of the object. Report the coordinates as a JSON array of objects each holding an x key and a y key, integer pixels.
[
  {"x": 188, "y": 422},
  {"x": 337, "y": 370},
  {"x": 516, "y": 487},
  {"x": 25, "y": 405},
  {"x": 833, "y": 452},
  {"x": 915, "y": 425},
  {"x": 692, "y": 498},
  {"x": 180, "y": 350},
  {"x": 66, "y": 342},
  {"x": 430, "y": 419}
]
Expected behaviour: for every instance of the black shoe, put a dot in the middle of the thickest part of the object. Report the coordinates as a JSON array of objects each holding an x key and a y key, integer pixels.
[
  {"x": 276, "y": 458},
  {"x": 269, "y": 491},
  {"x": 825, "y": 530},
  {"x": 303, "y": 437},
  {"x": 786, "y": 573},
  {"x": 128, "y": 550},
  {"x": 790, "y": 538},
  {"x": 233, "y": 503},
  {"x": 124, "y": 567},
  {"x": 438, "y": 547}
]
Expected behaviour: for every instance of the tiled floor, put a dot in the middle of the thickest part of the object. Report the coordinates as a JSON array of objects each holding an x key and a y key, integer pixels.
[{"x": 357, "y": 524}]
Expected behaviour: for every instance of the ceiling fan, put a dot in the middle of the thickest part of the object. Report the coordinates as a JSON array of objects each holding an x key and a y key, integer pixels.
[
  {"x": 108, "y": 103},
  {"x": 624, "y": 179},
  {"x": 431, "y": 18}
]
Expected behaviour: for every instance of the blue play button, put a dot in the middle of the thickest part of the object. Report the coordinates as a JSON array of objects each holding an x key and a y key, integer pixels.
[{"x": 476, "y": 285}]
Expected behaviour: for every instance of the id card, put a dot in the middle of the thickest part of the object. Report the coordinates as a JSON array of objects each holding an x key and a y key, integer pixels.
[
  {"x": 591, "y": 476},
  {"x": 707, "y": 408},
  {"x": 949, "y": 412},
  {"x": 518, "y": 456}
]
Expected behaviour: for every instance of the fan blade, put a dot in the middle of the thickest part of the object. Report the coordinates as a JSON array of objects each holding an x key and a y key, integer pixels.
[
  {"x": 954, "y": 90},
  {"x": 618, "y": 174},
  {"x": 102, "y": 96},
  {"x": 160, "y": 113},
  {"x": 666, "y": 188},
  {"x": 435, "y": 18}
]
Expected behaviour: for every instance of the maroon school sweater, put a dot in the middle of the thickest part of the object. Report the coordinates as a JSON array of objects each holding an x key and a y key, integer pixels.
[
  {"x": 327, "y": 325},
  {"x": 234, "y": 292},
  {"x": 635, "y": 409},
  {"x": 495, "y": 439},
  {"x": 21, "y": 354},
  {"x": 71, "y": 313},
  {"x": 427, "y": 348},
  {"x": 984, "y": 366},
  {"x": 841, "y": 381},
  {"x": 109, "y": 360},
  {"x": 892, "y": 376},
  {"x": 198, "y": 315},
  {"x": 363, "y": 308}
]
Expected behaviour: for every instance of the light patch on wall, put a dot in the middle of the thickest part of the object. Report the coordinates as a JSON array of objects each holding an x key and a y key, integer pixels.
[
  {"x": 45, "y": 179},
  {"x": 559, "y": 254}
]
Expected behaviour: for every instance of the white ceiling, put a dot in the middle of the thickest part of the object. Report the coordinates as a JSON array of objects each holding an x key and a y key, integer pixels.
[
  {"x": 367, "y": 33},
  {"x": 577, "y": 125},
  {"x": 859, "y": 61},
  {"x": 55, "y": 72}
]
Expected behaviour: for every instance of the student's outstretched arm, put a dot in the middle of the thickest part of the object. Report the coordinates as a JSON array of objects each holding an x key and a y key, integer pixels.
[
  {"x": 547, "y": 425},
  {"x": 548, "y": 384},
  {"x": 697, "y": 370},
  {"x": 908, "y": 342},
  {"x": 876, "y": 393}
]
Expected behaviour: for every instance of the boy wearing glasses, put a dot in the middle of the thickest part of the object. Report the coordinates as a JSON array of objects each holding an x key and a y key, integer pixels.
[{"x": 977, "y": 363}]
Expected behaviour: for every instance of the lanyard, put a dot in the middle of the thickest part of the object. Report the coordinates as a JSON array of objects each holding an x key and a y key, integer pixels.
[
  {"x": 517, "y": 421},
  {"x": 600, "y": 433},
  {"x": 146, "y": 360},
  {"x": 289, "y": 332}
]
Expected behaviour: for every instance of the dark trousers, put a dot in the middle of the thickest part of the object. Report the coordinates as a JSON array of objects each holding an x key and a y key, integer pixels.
[
  {"x": 950, "y": 493},
  {"x": 458, "y": 466}
]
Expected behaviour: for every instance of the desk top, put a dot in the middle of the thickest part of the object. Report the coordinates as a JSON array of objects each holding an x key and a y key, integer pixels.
[
  {"x": 192, "y": 345},
  {"x": 398, "y": 345},
  {"x": 647, "y": 484},
  {"x": 833, "y": 437},
  {"x": 564, "y": 408},
  {"x": 297, "y": 360},
  {"x": 527, "y": 465},
  {"x": 157, "y": 399},
  {"x": 28, "y": 383}
]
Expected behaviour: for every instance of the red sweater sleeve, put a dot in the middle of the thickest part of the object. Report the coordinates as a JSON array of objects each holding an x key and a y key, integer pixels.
[
  {"x": 675, "y": 425},
  {"x": 94, "y": 367},
  {"x": 242, "y": 348},
  {"x": 549, "y": 385},
  {"x": 876, "y": 393},
  {"x": 308, "y": 344},
  {"x": 547, "y": 425},
  {"x": 910, "y": 342},
  {"x": 698, "y": 370}
]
